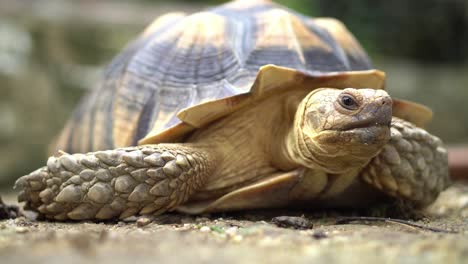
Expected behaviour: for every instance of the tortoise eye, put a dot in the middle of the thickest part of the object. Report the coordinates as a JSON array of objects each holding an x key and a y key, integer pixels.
[{"x": 348, "y": 102}]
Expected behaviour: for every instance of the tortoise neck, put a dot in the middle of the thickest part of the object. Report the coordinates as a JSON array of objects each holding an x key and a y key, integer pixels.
[
  {"x": 284, "y": 148},
  {"x": 295, "y": 149},
  {"x": 283, "y": 157}
]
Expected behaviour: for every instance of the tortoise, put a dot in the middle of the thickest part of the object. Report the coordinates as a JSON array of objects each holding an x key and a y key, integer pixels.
[{"x": 243, "y": 106}]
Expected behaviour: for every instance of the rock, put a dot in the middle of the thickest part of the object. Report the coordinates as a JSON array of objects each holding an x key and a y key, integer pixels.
[{"x": 292, "y": 222}]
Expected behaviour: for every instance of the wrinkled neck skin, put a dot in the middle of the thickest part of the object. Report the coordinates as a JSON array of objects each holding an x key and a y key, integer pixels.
[{"x": 327, "y": 138}]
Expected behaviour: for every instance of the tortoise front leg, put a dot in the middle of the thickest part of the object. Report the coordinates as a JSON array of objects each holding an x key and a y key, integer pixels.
[
  {"x": 412, "y": 166},
  {"x": 149, "y": 179}
]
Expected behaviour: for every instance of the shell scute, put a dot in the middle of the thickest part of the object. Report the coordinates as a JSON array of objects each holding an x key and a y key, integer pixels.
[{"x": 185, "y": 71}]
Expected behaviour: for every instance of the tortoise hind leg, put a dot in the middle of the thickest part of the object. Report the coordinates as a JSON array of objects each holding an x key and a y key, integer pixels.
[
  {"x": 413, "y": 166},
  {"x": 149, "y": 179}
]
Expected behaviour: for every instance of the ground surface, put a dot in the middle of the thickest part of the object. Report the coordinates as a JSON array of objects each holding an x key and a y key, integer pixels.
[{"x": 248, "y": 237}]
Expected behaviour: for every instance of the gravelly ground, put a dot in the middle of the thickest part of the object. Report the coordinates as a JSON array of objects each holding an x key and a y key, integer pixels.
[{"x": 248, "y": 237}]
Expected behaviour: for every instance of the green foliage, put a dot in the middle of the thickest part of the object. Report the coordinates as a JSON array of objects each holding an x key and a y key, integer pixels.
[
  {"x": 430, "y": 30},
  {"x": 306, "y": 7}
]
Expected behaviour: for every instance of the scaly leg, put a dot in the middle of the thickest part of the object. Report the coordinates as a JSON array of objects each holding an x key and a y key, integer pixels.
[
  {"x": 412, "y": 166},
  {"x": 149, "y": 179}
]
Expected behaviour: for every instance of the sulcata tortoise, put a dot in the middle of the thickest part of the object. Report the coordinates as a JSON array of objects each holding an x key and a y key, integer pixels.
[{"x": 246, "y": 105}]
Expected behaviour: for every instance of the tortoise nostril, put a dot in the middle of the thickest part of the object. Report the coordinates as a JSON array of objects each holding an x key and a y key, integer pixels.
[{"x": 386, "y": 100}]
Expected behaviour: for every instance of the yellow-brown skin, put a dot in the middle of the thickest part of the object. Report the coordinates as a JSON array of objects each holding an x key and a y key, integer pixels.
[{"x": 289, "y": 131}]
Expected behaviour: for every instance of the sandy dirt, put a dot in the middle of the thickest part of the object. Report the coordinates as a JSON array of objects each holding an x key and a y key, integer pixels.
[{"x": 245, "y": 237}]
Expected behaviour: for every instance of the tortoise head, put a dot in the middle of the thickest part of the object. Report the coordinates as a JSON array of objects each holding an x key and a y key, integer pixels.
[{"x": 338, "y": 129}]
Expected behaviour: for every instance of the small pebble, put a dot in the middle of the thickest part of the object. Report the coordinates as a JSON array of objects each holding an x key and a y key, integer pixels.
[
  {"x": 143, "y": 221},
  {"x": 130, "y": 219},
  {"x": 205, "y": 229},
  {"x": 231, "y": 231},
  {"x": 319, "y": 234},
  {"x": 21, "y": 230},
  {"x": 237, "y": 238}
]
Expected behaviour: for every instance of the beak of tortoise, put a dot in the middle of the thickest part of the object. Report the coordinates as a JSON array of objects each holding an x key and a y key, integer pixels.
[{"x": 375, "y": 114}]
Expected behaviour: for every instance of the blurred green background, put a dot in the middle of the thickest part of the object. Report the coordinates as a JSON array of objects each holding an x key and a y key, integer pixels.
[{"x": 53, "y": 51}]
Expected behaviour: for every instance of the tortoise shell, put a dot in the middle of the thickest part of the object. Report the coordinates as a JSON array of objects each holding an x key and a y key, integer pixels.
[{"x": 186, "y": 71}]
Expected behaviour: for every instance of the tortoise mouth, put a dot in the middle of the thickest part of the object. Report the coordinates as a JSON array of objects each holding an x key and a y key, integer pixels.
[
  {"x": 372, "y": 122},
  {"x": 360, "y": 141}
]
